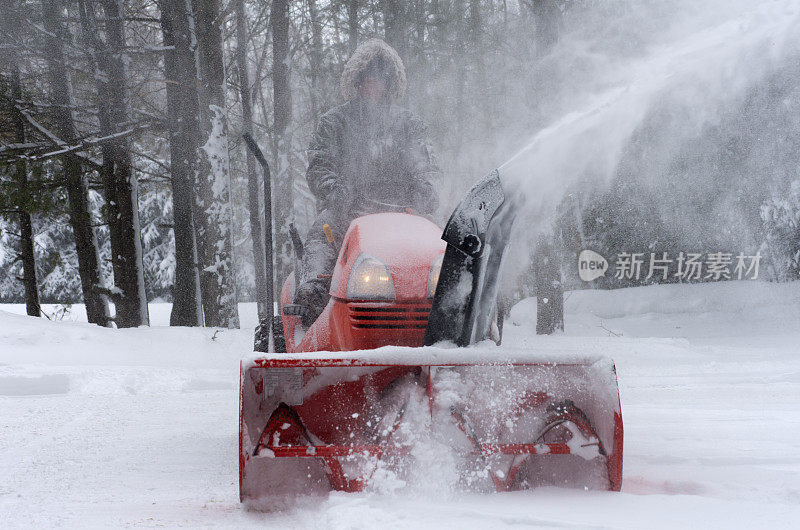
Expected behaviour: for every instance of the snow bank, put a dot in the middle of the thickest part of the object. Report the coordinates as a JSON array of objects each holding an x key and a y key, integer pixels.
[
  {"x": 138, "y": 427},
  {"x": 25, "y": 339},
  {"x": 159, "y": 312},
  {"x": 744, "y": 297},
  {"x": 739, "y": 313},
  {"x": 726, "y": 297}
]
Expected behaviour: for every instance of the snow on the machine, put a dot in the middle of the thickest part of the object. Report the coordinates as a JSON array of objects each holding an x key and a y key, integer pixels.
[{"x": 515, "y": 418}]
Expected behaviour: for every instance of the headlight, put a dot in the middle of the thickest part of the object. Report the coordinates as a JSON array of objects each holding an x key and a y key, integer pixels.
[
  {"x": 370, "y": 280},
  {"x": 433, "y": 276}
]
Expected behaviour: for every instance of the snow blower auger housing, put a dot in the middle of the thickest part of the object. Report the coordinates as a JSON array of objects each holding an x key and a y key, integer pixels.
[{"x": 338, "y": 410}]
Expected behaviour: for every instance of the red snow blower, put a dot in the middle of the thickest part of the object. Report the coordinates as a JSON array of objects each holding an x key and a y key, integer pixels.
[{"x": 355, "y": 396}]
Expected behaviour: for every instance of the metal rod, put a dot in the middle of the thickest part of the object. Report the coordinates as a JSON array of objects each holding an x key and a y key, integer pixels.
[{"x": 268, "y": 270}]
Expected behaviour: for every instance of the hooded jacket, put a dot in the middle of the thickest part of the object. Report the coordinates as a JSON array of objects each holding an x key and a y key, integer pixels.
[{"x": 365, "y": 153}]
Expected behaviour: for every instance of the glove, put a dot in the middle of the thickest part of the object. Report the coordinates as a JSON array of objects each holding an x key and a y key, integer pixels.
[{"x": 310, "y": 299}]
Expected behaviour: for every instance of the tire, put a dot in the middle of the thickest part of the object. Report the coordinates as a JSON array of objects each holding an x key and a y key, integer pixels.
[
  {"x": 277, "y": 334},
  {"x": 261, "y": 338}
]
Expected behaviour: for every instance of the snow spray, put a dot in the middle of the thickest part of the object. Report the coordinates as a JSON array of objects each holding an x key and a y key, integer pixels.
[{"x": 699, "y": 63}]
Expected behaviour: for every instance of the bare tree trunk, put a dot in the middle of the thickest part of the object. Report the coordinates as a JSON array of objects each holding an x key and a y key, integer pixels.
[
  {"x": 547, "y": 23},
  {"x": 420, "y": 28},
  {"x": 395, "y": 26},
  {"x": 578, "y": 212},
  {"x": 416, "y": 56},
  {"x": 352, "y": 25},
  {"x": 9, "y": 14},
  {"x": 134, "y": 296},
  {"x": 252, "y": 176},
  {"x": 91, "y": 37},
  {"x": 26, "y": 226},
  {"x": 315, "y": 55},
  {"x": 461, "y": 37},
  {"x": 182, "y": 112},
  {"x": 120, "y": 183},
  {"x": 282, "y": 142},
  {"x": 32, "y": 307},
  {"x": 549, "y": 288},
  {"x": 77, "y": 183},
  {"x": 213, "y": 207},
  {"x": 484, "y": 86}
]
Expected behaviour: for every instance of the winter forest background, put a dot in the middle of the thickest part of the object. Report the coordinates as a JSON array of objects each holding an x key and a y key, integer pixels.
[{"x": 121, "y": 124}]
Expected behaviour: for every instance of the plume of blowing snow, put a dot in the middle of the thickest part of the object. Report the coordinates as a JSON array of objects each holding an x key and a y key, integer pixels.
[{"x": 700, "y": 60}]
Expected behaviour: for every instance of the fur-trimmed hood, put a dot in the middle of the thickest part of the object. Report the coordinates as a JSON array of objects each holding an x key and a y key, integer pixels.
[{"x": 359, "y": 61}]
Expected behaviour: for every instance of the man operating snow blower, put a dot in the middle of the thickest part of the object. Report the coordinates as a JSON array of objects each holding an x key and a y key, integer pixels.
[
  {"x": 348, "y": 396},
  {"x": 368, "y": 155}
]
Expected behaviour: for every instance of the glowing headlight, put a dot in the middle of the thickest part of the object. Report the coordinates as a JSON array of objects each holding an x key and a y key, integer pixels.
[
  {"x": 433, "y": 276},
  {"x": 370, "y": 280}
]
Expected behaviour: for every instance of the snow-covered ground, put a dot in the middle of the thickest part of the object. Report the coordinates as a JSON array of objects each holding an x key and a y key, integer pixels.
[{"x": 139, "y": 427}]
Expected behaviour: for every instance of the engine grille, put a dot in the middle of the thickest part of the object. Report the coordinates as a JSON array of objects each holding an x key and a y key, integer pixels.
[{"x": 366, "y": 316}]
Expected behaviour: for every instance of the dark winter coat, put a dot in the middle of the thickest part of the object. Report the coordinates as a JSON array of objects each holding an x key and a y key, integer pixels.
[
  {"x": 365, "y": 157},
  {"x": 365, "y": 153}
]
